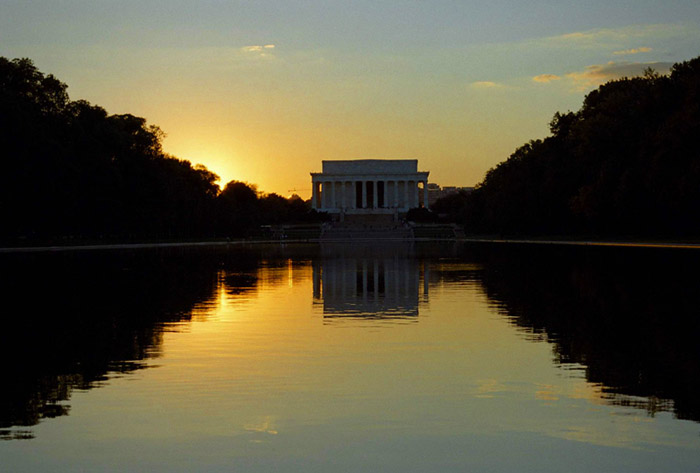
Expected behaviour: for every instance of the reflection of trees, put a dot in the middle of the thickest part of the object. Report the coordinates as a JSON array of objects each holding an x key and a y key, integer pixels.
[
  {"x": 72, "y": 320},
  {"x": 628, "y": 316}
]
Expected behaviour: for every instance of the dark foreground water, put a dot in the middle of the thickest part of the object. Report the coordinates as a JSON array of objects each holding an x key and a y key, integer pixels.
[{"x": 340, "y": 358}]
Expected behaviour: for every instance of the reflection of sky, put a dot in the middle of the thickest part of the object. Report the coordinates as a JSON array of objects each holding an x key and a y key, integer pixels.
[
  {"x": 261, "y": 382},
  {"x": 458, "y": 84}
]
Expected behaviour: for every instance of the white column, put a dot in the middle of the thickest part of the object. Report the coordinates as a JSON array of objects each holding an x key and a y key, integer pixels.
[
  {"x": 364, "y": 194},
  {"x": 375, "y": 197},
  {"x": 405, "y": 194},
  {"x": 416, "y": 203},
  {"x": 314, "y": 193},
  {"x": 396, "y": 194}
]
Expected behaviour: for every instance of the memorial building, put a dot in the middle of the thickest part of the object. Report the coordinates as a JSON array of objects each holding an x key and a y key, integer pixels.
[{"x": 369, "y": 187}]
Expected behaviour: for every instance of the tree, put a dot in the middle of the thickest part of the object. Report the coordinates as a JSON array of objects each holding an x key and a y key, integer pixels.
[
  {"x": 626, "y": 163},
  {"x": 71, "y": 170}
]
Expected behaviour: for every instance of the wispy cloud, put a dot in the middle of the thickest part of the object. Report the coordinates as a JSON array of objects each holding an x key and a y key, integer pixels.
[
  {"x": 263, "y": 425},
  {"x": 546, "y": 78},
  {"x": 486, "y": 84},
  {"x": 579, "y": 35},
  {"x": 258, "y": 48},
  {"x": 618, "y": 34},
  {"x": 598, "y": 74},
  {"x": 261, "y": 50},
  {"x": 628, "y": 40},
  {"x": 626, "y": 52}
]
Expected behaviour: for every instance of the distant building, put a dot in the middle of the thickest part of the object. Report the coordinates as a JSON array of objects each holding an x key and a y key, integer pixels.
[
  {"x": 436, "y": 192},
  {"x": 369, "y": 187}
]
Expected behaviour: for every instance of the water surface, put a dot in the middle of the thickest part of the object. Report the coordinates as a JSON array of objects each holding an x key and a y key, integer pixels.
[{"x": 352, "y": 358}]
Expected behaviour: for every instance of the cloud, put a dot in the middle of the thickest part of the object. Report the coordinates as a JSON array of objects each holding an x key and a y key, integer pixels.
[
  {"x": 579, "y": 35},
  {"x": 598, "y": 74},
  {"x": 259, "y": 49},
  {"x": 264, "y": 425},
  {"x": 486, "y": 84},
  {"x": 546, "y": 78},
  {"x": 624, "y": 33},
  {"x": 659, "y": 36},
  {"x": 624, "y": 52}
]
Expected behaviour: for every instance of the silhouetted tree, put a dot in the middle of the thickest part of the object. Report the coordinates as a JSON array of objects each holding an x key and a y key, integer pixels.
[
  {"x": 451, "y": 207},
  {"x": 71, "y": 170},
  {"x": 238, "y": 208},
  {"x": 625, "y": 164}
]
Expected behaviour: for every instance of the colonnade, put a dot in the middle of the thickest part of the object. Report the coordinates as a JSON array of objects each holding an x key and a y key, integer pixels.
[{"x": 339, "y": 193}]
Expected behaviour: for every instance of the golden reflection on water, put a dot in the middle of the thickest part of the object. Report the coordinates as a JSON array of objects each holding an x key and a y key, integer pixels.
[
  {"x": 388, "y": 362},
  {"x": 270, "y": 335}
]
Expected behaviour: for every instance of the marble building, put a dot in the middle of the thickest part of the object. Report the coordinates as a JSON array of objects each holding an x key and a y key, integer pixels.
[{"x": 369, "y": 187}]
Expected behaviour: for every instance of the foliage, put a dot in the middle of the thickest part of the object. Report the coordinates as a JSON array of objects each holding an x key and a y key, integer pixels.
[
  {"x": 451, "y": 207},
  {"x": 71, "y": 170},
  {"x": 626, "y": 163}
]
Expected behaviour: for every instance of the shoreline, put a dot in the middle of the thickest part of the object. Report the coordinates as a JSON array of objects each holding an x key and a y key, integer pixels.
[
  {"x": 219, "y": 243},
  {"x": 601, "y": 243}
]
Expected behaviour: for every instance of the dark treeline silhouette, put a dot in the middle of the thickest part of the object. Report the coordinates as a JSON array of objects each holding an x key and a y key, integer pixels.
[
  {"x": 451, "y": 208},
  {"x": 71, "y": 170},
  {"x": 626, "y": 164}
]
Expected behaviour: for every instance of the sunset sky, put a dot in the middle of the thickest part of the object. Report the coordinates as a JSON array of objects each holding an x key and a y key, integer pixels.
[{"x": 262, "y": 91}]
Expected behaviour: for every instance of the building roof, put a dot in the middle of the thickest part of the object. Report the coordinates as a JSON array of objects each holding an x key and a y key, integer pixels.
[{"x": 370, "y": 166}]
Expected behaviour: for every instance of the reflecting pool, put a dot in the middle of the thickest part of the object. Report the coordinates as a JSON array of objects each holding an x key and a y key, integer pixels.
[{"x": 396, "y": 357}]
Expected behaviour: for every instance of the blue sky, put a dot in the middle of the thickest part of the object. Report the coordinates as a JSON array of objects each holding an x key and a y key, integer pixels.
[{"x": 262, "y": 91}]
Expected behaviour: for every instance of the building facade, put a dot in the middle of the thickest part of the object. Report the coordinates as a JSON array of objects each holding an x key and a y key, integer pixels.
[{"x": 369, "y": 186}]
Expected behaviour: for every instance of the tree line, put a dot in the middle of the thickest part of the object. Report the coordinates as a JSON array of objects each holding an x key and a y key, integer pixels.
[
  {"x": 626, "y": 164},
  {"x": 73, "y": 171}
]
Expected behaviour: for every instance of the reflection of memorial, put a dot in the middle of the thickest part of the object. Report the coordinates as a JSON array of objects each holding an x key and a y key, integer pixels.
[{"x": 382, "y": 284}]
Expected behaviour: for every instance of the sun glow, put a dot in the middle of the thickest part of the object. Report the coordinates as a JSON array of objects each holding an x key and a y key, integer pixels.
[{"x": 218, "y": 158}]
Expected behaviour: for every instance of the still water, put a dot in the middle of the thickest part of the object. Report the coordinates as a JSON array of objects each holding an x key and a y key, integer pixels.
[{"x": 351, "y": 358}]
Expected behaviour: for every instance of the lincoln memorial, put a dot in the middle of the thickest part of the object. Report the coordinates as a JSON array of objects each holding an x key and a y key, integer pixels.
[{"x": 369, "y": 186}]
